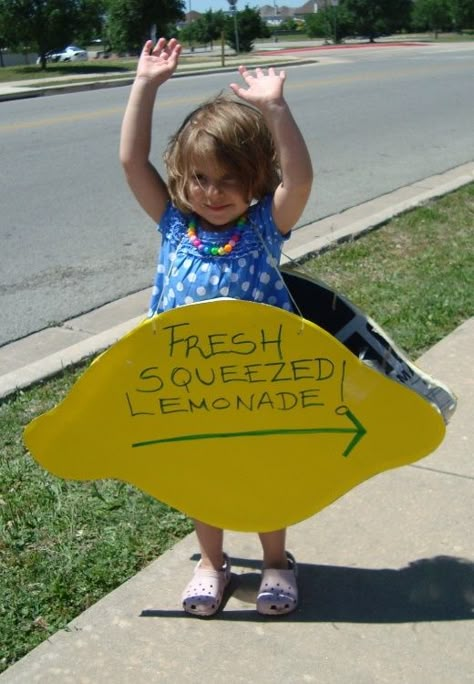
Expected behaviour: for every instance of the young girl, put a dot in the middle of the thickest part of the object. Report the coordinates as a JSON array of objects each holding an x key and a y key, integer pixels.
[{"x": 239, "y": 177}]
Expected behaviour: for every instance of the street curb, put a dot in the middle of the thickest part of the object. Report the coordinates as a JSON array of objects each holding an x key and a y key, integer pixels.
[
  {"x": 266, "y": 57},
  {"x": 307, "y": 241},
  {"x": 356, "y": 221},
  {"x": 30, "y": 93}
]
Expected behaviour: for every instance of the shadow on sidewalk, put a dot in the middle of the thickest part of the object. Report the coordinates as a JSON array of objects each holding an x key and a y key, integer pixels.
[{"x": 431, "y": 589}]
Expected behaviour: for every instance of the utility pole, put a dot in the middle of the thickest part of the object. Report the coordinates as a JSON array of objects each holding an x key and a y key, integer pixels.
[
  {"x": 334, "y": 4},
  {"x": 191, "y": 46},
  {"x": 233, "y": 9}
]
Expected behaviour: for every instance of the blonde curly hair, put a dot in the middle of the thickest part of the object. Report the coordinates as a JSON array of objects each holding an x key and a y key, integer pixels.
[{"x": 232, "y": 135}]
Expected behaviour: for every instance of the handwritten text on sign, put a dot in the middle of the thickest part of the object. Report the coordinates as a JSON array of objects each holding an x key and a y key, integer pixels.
[
  {"x": 236, "y": 398},
  {"x": 228, "y": 364},
  {"x": 235, "y": 374}
]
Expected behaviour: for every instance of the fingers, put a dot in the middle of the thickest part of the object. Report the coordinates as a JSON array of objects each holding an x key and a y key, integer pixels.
[
  {"x": 244, "y": 72},
  {"x": 162, "y": 47},
  {"x": 260, "y": 87},
  {"x": 260, "y": 73},
  {"x": 147, "y": 48},
  {"x": 281, "y": 75},
  {"x": 238, "y": 90},
  {"x": 171, "y": 46}
]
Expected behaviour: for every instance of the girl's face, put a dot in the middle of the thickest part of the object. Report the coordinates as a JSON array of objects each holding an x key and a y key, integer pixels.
[{"x": 216, "y": 196}]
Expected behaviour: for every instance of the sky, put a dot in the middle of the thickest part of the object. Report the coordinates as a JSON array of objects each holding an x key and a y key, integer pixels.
[{"x": 203, "y": 5}]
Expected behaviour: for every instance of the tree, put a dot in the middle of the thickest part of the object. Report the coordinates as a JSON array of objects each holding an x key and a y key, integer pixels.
[
  {"x": 250, "y": 25},
  {"x": 47, "y": 24},
  {"x": 439, "y": 15},
  {"x": 371, "y": 18},
  {"x": 462, "y": 14},
  {"x": 288, "y": 24},
  {"x": 4, "y": 24},
  {"x": 188, "y": 33},
  {"x": 210, "y": 26},
  {"x": 130, "y": 23},
  {"x": 432, "y": 15},
  {"x": 330, "y": 23},
  {"x": 91, "y": 21},
  {"x": 204, "y": 30},
  {"x": 317, "y": 24}
]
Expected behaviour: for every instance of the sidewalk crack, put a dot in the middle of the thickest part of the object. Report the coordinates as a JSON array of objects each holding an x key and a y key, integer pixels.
[{"x": 442, "y": 472}]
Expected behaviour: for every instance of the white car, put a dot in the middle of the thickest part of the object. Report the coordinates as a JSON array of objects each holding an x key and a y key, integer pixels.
[{"x": 69, "y": 54}]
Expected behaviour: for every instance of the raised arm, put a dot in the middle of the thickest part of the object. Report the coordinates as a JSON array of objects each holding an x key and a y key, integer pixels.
[
  {"x": 265, "y": 92},
  {"x": 155, "y": 66}
]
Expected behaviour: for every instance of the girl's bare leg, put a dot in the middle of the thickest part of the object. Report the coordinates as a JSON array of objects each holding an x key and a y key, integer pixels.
[
  {"x": 211, "y": 541},
  {"x": 274, "y": 550}
]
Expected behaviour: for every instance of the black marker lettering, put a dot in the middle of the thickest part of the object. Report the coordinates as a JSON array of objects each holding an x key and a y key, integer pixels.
[
  {"x": 308, "y": 395},
  {"x": 280, "y": 365},
  {"x": 168, "y": 404},
  {"x": 265, "y": 400},
  {"x": 214, "y": 342},
  {"x": 201, "y": 405},
  {"x": 134, "y": 413},
  {"x": 220, "y": 403},
  {"x": 227, "y": 372},
  {"x": 240, "y": 401},
  {"x": 328, "y": 365},
  {"x": 252, "y": 369},
  {"x": 250, "y": 346},
  {"x": 299, "y": 370},
  {"x": 146, "y": 374},
  {"x": 209, "y": 381},
  {"x": 288, "y": 400},
  {"x": 264, "y": 341},
  {"x": 192, "y": 342},
  {"x": 181, "y": 377},
  {"x": 173, "y": 341}
]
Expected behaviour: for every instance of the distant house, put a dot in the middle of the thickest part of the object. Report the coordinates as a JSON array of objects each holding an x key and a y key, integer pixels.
[
  {"x": 268, "y": 12},
  {"x": 322, "y": 4},
  {"x": 310, "y": 7},
  {"x": 191, "y": 16},
  {"x": 275, "y": 14}
]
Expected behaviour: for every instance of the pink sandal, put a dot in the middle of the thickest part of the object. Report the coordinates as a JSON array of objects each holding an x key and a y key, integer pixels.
[
  {"x": 278, "y": 593},
  {"x": 204, "y": 593}
]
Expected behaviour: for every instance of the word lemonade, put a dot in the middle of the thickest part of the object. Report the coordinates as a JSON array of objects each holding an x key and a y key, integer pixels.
[{"x": 243, "y": 384}]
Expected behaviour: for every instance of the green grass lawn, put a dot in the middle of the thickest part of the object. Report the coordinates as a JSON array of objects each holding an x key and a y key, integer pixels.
[
  {"x": 415, "y": 276},
  {"x": 112, "y": 69},
  {"x": 467, "y": 35},
  {"x": 103, "y": 66},
  {"x": 64, "y": 545}
]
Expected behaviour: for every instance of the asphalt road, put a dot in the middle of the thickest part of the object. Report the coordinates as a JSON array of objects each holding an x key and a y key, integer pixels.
[{"x": 71, "y": 235}]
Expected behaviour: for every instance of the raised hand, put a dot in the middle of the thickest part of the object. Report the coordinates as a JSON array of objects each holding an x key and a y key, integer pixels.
[
  {"x": 261, "y": 89},
  {"x": 158, "y": 63}
]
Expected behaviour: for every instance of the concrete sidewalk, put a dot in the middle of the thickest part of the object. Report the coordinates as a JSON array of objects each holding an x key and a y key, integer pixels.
[
  {"x": 386, "y": 572},
  {"x": 387, "y": 592}
]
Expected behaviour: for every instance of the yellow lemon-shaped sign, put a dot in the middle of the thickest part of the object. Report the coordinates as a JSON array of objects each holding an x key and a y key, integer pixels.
[{"x": 239, "y": 414}]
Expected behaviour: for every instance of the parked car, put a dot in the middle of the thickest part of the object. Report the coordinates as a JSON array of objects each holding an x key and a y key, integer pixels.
[{"x": 69, "y": 54}]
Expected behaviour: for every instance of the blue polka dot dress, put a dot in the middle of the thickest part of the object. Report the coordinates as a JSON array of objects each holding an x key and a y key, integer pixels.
[{"x": 185, "y": 275}]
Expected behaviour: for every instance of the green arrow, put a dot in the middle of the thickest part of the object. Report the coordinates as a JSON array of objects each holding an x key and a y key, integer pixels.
[{"x": 358, "y": 430}]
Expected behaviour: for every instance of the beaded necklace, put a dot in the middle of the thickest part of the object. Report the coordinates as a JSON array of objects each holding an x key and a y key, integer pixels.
[{"x": 215, "y": 250}]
